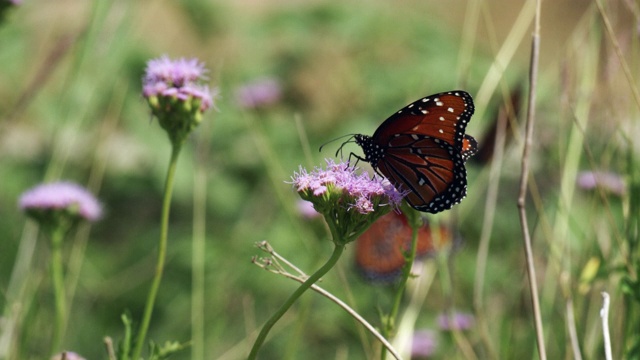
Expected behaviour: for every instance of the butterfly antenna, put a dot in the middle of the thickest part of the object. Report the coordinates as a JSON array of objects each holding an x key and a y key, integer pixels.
[
  {"x": 339, "y": 151},
  {"x": 338, "y": 138}
]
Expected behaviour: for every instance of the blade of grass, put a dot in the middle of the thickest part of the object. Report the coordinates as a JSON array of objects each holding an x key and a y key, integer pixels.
[
  {"x": 533, "y": 75},
  {"x": 604, "y": 314},
  {"x": 504, "y": 57},
  {"x": 485, "y": 236},
  {"x": 469, "y": 32},
  {"x": 417, "y": 295},
  {"x": 627, "y": 72},
  {"x": 198, "y": 249}
]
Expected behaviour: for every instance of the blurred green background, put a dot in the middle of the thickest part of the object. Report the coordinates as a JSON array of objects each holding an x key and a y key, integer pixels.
[{"x": 71, "y": 108}]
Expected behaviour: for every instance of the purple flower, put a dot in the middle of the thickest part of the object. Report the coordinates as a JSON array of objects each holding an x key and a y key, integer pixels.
[
  {"x": 363, "y": 205},
  {"x": 177, "y": 79},
  {"x": 457, "y": 321},
  {"x": 608, "y": 181},
  {"x": 62, "y": 196},
  {"x": 362, "y": 192},
  {"x": 350, "y": 202},
  {"x": 424, "y": 344},
  {"x": 67, "y": 355},
  {"x": 261, "y": 92},
  {"x": 175, "y": 72}
]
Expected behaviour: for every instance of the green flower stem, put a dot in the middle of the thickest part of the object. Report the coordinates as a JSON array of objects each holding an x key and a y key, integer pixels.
[
  {"x": 198, "y": 252},
  {"x": 162, "y": 251},
  {"x": 447, "y": 291},
  {"x": 337, "y": 251},
  {"x": 57, "y": 274},
  {"x": 406, "y": 272}
]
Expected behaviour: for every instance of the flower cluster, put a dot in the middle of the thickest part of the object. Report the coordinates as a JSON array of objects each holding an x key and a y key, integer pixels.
[
  {"x": 424, "y": 344},
  {"x": 349, "y": 202},
  {"x": 456, "y": 321},
  {"x": 47, "y": 201},
  {"x": 176, "y": 95},
  {"x": 259, "y": 93},
  {"x": 359, "y": 192},
  {"x": 177, "y": 78},
  {"x": 607, "y": 181}
]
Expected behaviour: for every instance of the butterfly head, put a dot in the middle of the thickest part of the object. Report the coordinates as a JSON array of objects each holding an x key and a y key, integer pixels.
[{"x": 372, "y": 152}]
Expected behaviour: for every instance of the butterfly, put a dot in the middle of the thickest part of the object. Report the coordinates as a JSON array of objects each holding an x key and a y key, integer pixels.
[
  {"x": 423, "y": 148},
  {"x": 381, "y": 250}
]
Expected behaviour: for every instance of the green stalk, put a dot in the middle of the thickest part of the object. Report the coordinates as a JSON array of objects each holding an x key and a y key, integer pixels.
[
  {"x": 162, "y": 251},
  {"x": 198, "y": 264},
  {"x": 57, "y": 274},
  {"x": 406, "y": 272},
  {"x": 337, "y": 251}
]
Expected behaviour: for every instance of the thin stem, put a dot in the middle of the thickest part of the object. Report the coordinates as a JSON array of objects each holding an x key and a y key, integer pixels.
[
  {"x": 625, "y": 68},
  {"x": 162, "y": 252},
  {"x": 198, "y": 262},
  {"x": 301, "y": 277},
  {"x": 406, "y": 272},
  {"x": 573, "y": 334},
  {"x": 604, "y": 314},
  {"x": 337, "y": 251},
  {"x": 487, "y": 228},
  {"x": 108, "y": 343},
  {"x": 524, "y": 176},
  {"x": 125, "y": 347},
  {"x": 447, "y": 291},
  {"x": 57, "y": 274}
]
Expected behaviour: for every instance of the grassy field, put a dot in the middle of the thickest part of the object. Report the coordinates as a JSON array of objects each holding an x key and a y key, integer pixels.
[{"x": 71, "y": 108}]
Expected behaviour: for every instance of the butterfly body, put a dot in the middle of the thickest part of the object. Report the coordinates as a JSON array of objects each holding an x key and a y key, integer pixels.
[{"x": 422, "y": 149}]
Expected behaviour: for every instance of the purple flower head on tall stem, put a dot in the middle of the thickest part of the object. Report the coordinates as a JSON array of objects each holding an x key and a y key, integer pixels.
[
  {"x": 350, "y": 202},
  {"x": 61, "y": 197},
  {"x": 176, "y": 93}
]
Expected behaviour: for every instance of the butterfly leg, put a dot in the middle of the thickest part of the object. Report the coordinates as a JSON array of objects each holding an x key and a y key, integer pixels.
[{"x": 358, "y": 158}]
